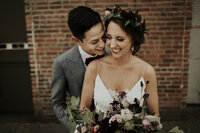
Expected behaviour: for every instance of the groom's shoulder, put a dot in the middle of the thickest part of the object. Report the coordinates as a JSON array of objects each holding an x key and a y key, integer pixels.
[{"x": 67, "y": 55}]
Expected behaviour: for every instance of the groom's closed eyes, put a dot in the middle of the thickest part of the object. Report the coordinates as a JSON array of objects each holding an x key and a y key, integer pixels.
[{"x": 95, "y": 41}]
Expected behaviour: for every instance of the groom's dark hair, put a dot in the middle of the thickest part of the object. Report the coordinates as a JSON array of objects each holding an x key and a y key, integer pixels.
[{"x": 81, "y": 19}]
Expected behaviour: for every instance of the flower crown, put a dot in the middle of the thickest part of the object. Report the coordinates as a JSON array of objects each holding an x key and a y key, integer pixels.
[{"x": 132, "y": 19}]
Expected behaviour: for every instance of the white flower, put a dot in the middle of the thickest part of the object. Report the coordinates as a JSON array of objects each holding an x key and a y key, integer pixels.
[
  {"x": 129, "y": 125},
  {"x": 125, "y": 103},
  {"x": 126, "y": 114},
  {"x": 116, "y": 117},
  {"x": 151, "y": 117},
  {"x": 154, "y": 118},
  {"x": 107, "y": 13}
]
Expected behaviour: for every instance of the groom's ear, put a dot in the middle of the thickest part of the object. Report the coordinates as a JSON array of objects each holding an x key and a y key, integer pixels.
[{"x": 76, "y": 40}]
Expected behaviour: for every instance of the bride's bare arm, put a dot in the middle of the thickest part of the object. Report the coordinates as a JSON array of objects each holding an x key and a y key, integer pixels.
[
  {"x": 88, "y": 86},
  {"x": 152, "y": 100}
]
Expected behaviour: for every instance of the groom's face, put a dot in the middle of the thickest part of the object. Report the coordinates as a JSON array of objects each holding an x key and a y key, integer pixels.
[{"x": 93, "y": 43}]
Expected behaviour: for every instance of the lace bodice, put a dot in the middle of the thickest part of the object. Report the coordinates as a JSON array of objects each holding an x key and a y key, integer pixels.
[{"x": 103, "y": 96}]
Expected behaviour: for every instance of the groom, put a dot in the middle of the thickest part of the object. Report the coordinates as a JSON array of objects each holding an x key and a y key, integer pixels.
[{"x": 69, "y": 68}]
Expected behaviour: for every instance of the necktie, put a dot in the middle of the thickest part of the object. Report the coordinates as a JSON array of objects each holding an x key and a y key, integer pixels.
[{"x": 88, "y": 60}]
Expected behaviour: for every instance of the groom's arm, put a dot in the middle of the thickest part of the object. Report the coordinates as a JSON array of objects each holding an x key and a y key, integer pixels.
[{"x": 58, "y": 93}]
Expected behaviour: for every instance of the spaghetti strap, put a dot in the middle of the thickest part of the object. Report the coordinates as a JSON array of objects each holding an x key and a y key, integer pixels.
[
  {"x": 97, "y": 63},
  {"x": 144, "y": 70}
]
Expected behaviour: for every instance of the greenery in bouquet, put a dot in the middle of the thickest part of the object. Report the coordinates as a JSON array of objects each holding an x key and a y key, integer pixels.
[{"x": 122, "y": 117}]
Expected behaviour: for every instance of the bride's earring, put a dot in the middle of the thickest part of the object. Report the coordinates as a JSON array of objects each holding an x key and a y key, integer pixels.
[{"x": 132, "y": 48}]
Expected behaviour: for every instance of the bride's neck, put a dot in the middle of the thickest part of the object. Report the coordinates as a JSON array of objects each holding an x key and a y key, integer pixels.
[{"x": 122, "y": 60}]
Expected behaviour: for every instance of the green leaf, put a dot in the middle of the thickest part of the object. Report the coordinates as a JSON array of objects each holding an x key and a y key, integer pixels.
[
  {"x": 129, "y": 125},
  {"x": 137, "y": 24},
  {"x": 75, "y": 101},
  {"x": 79, "y": 129},
  {"x": 128, "y": 10},
  {"x": 176, "y": 130},
  {"x": 101, "y": 115},
  {"x": 109, "y": 9},
  {"x": 127, "y": 22},
  {"x": 145, "y": 95},
  {"x": 118, "y": 6},
  {"x": 139, "y": 18},
  {"x": 118, "y": 131},
  {"x": 144, "y": 111},
  {"x": 136, "y": 12},
  {"x": 132, "y": 24},
  {"x": 67, "y": 110},
  {"x": 110, "y": 16},
  {"x": 73, "y": 127},
  {"x": 147, "y": 30},
  {"x": 87, "y": 118},
  {"x": 138, "y": 125},
  {"x": 117, "y": 15},
  {"x": 144, "y": 22}
]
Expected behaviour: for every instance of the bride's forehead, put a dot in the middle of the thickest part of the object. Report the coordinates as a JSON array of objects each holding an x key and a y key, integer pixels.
[
  {"x": 115, "y": 29},
  {"x": 114, "y": 26}
]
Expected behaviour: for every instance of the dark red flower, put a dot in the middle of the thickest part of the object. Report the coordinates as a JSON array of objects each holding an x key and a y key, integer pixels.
[
  {"x": 122, "y": 94},
  {"x": 131, "y": 15},
  {"x": 143, "y": 28},
  {"x": 124, "y": 14},
  {"x": 155, "y": 124},
  {"x": 116, "y": 10}
]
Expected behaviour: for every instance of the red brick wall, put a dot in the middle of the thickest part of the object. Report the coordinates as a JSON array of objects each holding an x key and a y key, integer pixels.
[{"x": 166, "y": 46}]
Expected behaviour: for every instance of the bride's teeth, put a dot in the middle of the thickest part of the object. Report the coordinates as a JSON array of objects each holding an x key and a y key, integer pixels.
[{"x": 116, "y": 50}]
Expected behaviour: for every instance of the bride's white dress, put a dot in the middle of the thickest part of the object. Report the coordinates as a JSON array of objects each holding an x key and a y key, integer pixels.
[{"x": 103, "y": 96}]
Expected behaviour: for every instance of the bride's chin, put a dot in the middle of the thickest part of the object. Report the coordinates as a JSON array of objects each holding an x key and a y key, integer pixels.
[{"x": 115, "y": 56}]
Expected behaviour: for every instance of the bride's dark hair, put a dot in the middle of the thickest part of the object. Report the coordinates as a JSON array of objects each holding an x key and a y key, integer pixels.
[{"x": 136, "y": 35}]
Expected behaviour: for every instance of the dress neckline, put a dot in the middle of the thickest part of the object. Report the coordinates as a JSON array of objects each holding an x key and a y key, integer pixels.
[{"x": 127, "y": 90}]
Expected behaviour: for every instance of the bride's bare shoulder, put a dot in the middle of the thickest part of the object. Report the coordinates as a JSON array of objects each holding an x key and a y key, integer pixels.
[
  {"x": 92, "y": 67},
  {"x": 105, "y": 59},
  {"x": 148, "y": 68}
]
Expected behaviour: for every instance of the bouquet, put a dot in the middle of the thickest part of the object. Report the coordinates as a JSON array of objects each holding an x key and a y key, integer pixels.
[{"x": 122, "y": 117}]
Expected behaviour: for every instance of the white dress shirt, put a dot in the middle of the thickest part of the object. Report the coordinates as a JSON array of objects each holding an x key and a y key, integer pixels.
[{"x": 84, "y": 55}]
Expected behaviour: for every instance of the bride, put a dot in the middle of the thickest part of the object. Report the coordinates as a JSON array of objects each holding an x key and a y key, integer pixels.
[{"x": 121, "y": 70}]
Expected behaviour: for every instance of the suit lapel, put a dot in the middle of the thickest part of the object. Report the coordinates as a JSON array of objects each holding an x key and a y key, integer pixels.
[{"x": 77, "y": 60}]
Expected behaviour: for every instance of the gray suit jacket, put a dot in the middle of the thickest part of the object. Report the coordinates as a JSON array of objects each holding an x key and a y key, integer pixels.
[{"x": 68, "y": 74}]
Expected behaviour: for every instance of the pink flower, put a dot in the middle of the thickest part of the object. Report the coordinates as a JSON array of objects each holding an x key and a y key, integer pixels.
[
  {"x": 122, "y": 94},
  {"x": 155, "y": 121},
  {"x": 137, "y": 115},
  {"x": 146, "y": 122},
  {"x": 116, "y": 117},
  {"x": 107, "y": 13},
  {"x": 84, "y": 129}
]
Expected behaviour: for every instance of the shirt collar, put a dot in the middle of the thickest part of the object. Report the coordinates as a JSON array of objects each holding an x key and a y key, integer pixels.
[{"x": 84, "y": 55}]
